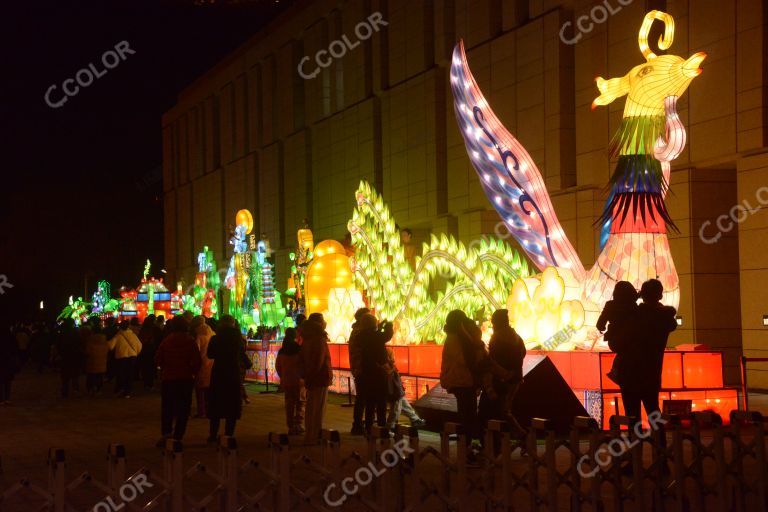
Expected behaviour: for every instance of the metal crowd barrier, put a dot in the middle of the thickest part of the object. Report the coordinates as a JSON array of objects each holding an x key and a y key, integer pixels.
[
  {"x": 704, "y": 466},
  {"x": 744, "y": 388}
]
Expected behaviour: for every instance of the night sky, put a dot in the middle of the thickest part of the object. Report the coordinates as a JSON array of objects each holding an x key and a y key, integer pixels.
[{"x": 81, "y": 184}]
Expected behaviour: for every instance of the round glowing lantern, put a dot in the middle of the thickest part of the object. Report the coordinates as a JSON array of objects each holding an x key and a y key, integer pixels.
[
  {"x": 245, "y": 218},
  {"x": 329, "y": 269},
  {"x": 328, "y": 247}
]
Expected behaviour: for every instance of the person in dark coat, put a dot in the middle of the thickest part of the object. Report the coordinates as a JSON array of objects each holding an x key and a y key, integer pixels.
[
  {"x": 71, "y": 351},
  {"x": 110, "y": 331},
  {"x": 287, "y": 366},
  {"x": 227, "y": 352},
  {"x": 315, "y": 369},
  {"x": 375, "y": 368},
  {"x": 620, "y": 317},
  {"x": 644, "y": 351},
  {"x": 507, "y": 350},
  {"x": 355, "y": 366},
  {"x": 150, "y": 336},
  {"x": 9, "y": 364},
  {"x": 466, "y": 368},
  {"x": 40, "y": 348}
]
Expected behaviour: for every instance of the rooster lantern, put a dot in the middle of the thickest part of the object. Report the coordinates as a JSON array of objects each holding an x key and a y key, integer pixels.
[{"x": 635, "y": 219}]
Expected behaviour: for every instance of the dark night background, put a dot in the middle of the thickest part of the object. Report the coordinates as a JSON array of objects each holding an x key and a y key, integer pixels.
[{"x": 81, "y": 187}]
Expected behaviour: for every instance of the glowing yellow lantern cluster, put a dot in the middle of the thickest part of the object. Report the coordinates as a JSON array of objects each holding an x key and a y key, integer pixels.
[
  {"x": 541, "y": 307},
  {"x": 342, "y": 304},
  {"x": 478, "y": 277},
  {"x": 329, "y": 269}
]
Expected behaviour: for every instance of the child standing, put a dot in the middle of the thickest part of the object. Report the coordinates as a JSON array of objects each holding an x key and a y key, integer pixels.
[
  {"x": 397, "y": 403},
  {"x": 295, "y": 393},
  {"x": 619, "y": 314}
]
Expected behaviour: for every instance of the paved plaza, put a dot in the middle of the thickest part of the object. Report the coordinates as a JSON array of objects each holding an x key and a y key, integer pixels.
[{"x": 84, "y": 427}]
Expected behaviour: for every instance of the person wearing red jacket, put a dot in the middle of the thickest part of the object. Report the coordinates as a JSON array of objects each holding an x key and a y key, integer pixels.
[{"x": 179, "y": 360}]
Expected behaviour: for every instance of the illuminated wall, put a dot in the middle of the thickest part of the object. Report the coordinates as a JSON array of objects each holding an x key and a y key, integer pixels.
[{"x": 251, "y": 134}]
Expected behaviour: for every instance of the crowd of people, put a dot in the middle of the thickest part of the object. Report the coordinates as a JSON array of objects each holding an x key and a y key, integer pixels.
[
  {"x": 189, "y": 355},
  {"x": 206, "y": 359}
]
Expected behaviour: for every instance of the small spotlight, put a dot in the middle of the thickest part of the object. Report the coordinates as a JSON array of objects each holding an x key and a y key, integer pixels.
[
  {"x": 679, "y": 320},
  {"x": 765, "y": 320},
  {"x": 163, "y": 271},
  {"x": 42, "y": 306}
]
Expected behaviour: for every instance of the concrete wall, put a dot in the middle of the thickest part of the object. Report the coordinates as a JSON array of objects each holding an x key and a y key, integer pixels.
[{"x": 251, "y": 133}]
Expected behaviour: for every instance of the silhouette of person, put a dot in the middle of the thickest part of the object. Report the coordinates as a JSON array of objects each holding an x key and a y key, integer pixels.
[
  {"x": 644, "y": 351},
  {"x": 506, "y": 349},
  {"x": 620, "y": 317}
]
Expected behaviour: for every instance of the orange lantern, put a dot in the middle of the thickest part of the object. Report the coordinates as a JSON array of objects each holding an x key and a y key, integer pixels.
[{"x": 329, "y": 269}]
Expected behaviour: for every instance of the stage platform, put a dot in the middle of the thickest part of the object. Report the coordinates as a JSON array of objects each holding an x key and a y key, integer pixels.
[{"x": 695, "y": 375}]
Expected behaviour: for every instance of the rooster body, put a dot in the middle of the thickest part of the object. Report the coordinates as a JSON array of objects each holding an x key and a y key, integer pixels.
[{"x": 635, "y": 220}]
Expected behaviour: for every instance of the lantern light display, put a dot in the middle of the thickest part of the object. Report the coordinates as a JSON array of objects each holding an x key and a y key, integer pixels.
[
  {"x": 300, "y": 261},
  {"x": 479, "y": 278},
  {"x": 76, "y": 310},
  {"x": 204, "y": 297},
  {"x": 635, "y": 218},
  {"x": 330, "y": 268},
  {"x": 508, "y": 175},
  {"x": 253, "y": 301},
  {"x": 545, "y": 309},
  {"x": 650, "y": 136},
  {"x": 151, "y": 297},
  {"x": 342, "y": 305},
  {"x": 102, "y": 303}
]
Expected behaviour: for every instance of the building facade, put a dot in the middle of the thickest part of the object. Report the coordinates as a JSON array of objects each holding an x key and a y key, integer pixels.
[{"x": 290, "y": 142}]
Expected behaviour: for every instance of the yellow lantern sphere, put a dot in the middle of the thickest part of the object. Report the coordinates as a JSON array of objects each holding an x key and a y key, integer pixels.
[
  {"x": 245, "y": 217},
  {"x": 328, "y": 247},
  {"x": 324, "y": 273}
]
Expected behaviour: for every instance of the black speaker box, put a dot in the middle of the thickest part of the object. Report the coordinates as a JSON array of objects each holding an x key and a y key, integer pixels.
[{"x": 543, "y": 394}]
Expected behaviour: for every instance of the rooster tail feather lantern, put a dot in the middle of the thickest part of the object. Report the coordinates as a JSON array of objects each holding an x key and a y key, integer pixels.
[{"x": 509, "y": 176}]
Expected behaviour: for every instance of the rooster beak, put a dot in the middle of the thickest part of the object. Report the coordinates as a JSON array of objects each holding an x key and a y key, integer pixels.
[{"x": 691, "y": 66}]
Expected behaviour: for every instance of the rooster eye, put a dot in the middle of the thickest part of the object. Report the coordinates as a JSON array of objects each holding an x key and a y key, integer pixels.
[{"x": 645, "y": 71}]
